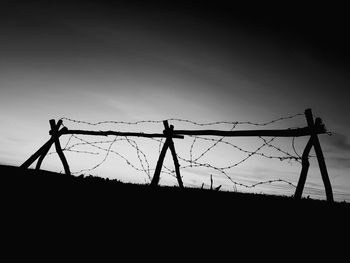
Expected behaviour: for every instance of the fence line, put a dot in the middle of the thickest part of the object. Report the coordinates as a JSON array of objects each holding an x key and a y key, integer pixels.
[{"x": 165, "y": 140}]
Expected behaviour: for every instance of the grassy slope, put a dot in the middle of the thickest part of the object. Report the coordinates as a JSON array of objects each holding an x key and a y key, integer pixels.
[
  {"x": 60, "y": 209},
  {"x": 43, "y": 186}
]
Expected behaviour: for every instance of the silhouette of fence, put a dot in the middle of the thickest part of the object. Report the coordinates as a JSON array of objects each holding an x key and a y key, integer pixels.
[{"x": 313, "y": 128}]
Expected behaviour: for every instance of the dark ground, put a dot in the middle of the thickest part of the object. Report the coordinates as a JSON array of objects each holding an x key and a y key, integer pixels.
[{"x": 56, "y": 208}]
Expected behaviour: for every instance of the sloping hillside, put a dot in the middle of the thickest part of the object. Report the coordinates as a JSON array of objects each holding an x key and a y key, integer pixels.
[
  {"x": 53, "y": 208},
  {"x": 44, "y": 186}
]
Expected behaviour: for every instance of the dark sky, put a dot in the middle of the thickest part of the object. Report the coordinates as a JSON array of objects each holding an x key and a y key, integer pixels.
[
  {"x": 215, "y": 60},
  {"x": 319, "y": 29}
]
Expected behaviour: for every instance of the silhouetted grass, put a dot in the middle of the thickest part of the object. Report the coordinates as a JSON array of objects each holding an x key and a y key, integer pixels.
[
  {"x": 52, "y": 207},
  {"x": 44, "y": 186}
]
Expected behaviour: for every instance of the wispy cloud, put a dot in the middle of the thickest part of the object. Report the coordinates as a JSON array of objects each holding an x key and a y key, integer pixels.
[
  {"x": 339, "y": 141},
  {"x": 339, "y": 162}
]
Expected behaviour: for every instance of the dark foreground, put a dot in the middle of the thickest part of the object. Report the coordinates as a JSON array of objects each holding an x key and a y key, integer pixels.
[{"x": 46, "y": 204}]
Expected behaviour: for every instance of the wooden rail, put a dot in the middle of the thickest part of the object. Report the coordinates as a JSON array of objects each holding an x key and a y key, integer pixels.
[
  {"x": 116, "y": 133},
  {"x": 298, "y": 132}
]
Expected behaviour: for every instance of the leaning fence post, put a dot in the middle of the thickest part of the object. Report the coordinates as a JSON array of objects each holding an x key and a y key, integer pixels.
[
  {"x": 42, "y": 156},
  {"x": 169, "y": 143},
  {"x": 37, "y": 154},
  {"x": 318, "y": 150},
  {"x": 156, "y": 176},
  {"x": 55, "y": 134},
  {"x": 169, "y": 133},
  {"x": 44, "y": 153},
  {"x": 304, "y": 169}
]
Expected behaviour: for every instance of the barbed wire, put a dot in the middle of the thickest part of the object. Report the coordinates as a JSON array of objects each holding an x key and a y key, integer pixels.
[
  {"x": 288, "y": 155},
  {"x": 235, "y": 123},
  {"x": 139, "y": 154},
  {"x": 222, "y": 170},
  {"x": 183, "y": 121},
  {"x": 108, "y": 150},
  {"x": 296, "y": 158},
  {"x": 144, "y": 166}
]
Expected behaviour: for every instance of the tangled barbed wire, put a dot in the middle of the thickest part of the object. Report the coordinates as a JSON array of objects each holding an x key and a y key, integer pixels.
[
  {"x": 194, "y": 156},
  {"x": 183, "y": 121}
]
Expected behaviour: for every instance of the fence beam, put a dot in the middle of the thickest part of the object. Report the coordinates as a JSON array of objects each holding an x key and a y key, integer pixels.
[
  {"x": 115, "y": 133},
  {"x": 298, "y": 132},
  {"x": 319, "y": 154}
]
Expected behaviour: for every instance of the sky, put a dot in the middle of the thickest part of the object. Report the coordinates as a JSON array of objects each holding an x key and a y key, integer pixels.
[{"x": 205, "y": 62}]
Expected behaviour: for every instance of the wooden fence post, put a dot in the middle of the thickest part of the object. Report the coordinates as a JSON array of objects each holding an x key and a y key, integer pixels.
[
  {"x": 156, "y": 176},
  {"x": 42, "y": 156},
  {"x": 313, "y": 126},
  {"x": 169, "y": 133},
  {"x": 305, "y": 168},
  {"x": 169, "y": 143},
  {"x": 42, "y": 152},
  {"x": 55, "y": 134},
  {"x": 37, "y": 154}
]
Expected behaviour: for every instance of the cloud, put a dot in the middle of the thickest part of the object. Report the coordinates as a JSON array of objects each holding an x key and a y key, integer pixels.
[
  {"x": 339, "y": 141},
  {"x": 339, "y": 162}
]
